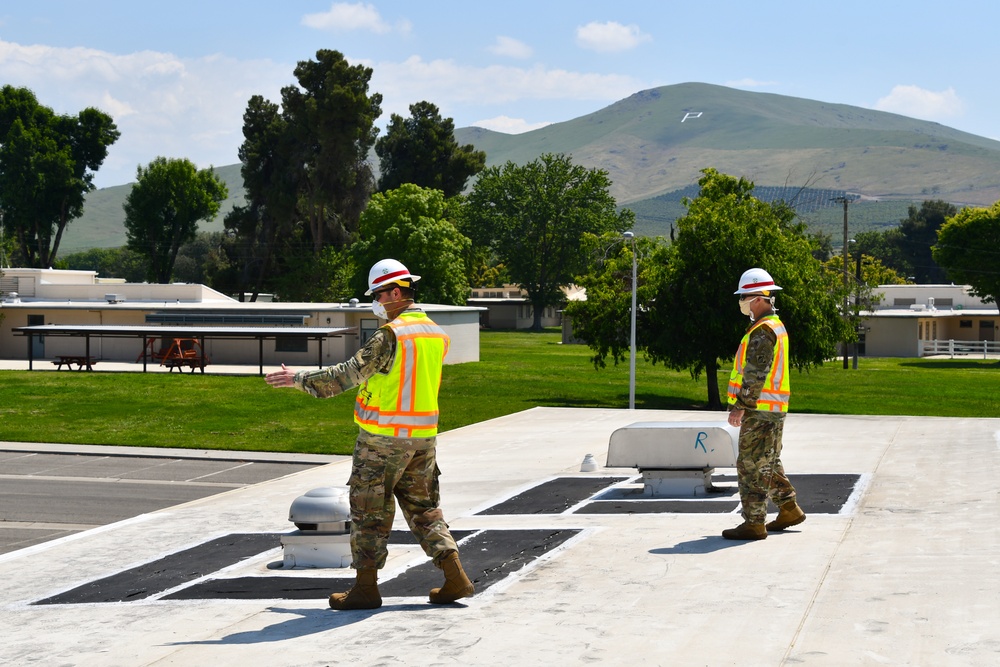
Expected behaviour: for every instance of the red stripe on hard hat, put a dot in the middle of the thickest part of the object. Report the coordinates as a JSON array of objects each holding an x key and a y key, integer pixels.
[
  {"x": 749, "y": 285},
  {"x": 389, "y": 276}
]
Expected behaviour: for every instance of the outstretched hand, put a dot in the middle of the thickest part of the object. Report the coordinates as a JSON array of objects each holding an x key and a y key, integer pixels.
[{"x": 282, "y": 378}]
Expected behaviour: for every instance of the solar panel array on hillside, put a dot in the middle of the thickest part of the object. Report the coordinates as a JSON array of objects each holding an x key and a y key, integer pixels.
[{"x": 803, "y": 200}]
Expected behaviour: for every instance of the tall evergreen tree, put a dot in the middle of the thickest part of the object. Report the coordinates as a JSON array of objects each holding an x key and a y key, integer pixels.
[
  {"x": 307, "y": 176},
  {"x": 422, "y": 150}
]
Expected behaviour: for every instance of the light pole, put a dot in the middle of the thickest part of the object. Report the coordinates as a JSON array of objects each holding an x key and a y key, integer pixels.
[{"x": 629, "y": 236}]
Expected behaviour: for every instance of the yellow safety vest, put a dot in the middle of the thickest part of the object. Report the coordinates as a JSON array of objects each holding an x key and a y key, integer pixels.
[
  {"x": 403, "y": 403},
  {"x": 776, "y": 390}
]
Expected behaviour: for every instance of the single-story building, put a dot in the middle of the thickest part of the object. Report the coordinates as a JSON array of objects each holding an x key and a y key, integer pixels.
[
  {"x": 36, "y": 297},
  {"x": 915, "y": 321},
  {"x": 921, "y": 320},
  {"x": 508, "y": 307}
]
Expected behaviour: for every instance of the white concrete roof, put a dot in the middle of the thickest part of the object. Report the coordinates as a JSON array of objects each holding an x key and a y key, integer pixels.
[{"x": 906, "y": 574}]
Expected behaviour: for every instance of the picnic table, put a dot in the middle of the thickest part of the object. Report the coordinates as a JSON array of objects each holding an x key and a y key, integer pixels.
[
  {"x": 181, "y": 362},
  {"x": 184, "y": 353},
  {"x": 80, "y": 360}
]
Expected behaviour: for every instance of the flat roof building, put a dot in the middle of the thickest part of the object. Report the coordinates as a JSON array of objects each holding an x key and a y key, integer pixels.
[{"x": 37, "y": 297}]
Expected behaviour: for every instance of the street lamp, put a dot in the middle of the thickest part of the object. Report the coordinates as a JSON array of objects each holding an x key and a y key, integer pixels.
[{"x": 629, "y": 236}]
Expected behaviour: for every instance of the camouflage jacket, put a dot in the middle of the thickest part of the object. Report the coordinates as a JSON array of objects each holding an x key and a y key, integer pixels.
[{"x": 376, "y": 356}]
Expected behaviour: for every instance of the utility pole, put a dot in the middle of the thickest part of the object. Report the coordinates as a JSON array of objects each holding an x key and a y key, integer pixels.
[{"x": 845, "y": 200}]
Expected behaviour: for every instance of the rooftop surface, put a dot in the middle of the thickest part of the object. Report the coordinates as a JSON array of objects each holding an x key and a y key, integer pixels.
[{"x": 572, "y": 567}]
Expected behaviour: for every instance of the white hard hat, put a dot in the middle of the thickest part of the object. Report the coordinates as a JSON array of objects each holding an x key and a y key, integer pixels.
[
  {"x": 389, "y": 271},
  {"x": 756, "y": 280}
]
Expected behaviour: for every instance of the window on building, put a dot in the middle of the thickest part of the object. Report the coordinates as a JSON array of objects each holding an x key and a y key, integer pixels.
[
  {"x": 947, "y": 302},
  {"x": 291, "y": 344},
  {"x": 898, "y": 301},
  {"x": 965, "y": 324},
  {"x": 368, "y": 327}
]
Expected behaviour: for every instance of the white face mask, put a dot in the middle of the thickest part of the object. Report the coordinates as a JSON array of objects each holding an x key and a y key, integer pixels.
[{"x": 379, "y": 310}]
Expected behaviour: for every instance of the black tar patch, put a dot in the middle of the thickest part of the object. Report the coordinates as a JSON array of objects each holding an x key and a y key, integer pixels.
[
  {"x": 553, "y": 497},
  {"x": 816, "y": 494},
  {"x": 487, "y": 557}
]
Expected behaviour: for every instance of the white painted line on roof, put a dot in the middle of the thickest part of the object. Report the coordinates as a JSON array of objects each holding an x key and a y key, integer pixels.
[{"x": 45, "y": 546}]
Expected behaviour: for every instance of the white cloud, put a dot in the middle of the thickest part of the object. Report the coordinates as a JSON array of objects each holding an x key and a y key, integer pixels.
[
  {"x": 115, "y": 108},
  {"x": 162, "y": 104},
  {"x": 193, "y": 107},
  {"x": 609, "y": 37},
  {"x": 920, "y": 103},
  {"x": 508, "y": 125},
  {"x": 343, "y": 16},
  {"x": 444, "y": 81},
  {"x": 511, "y": 48}
]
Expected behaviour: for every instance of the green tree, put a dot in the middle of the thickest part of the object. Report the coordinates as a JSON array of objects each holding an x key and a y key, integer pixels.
[
  {"x": 533, "y": 218},
  {"x": 412, "y": 224},
  {"x": 918, "y": 232},
  {"x": 163, "y": 209},
  {"x": 109, "y": 263},
  {"x": 688, "y": 316},
  {"x": 604, "y": 319},
  {"x": 202, "y": 259},
  {"x": 422, "y": 150},
  {"x": 307, "y": 176},
  {"x": 47, "y": 165},
  {"x": 967, "y": 249},
  {"x": 885, "y": 247},
  {"x": 267, "y": 221}
]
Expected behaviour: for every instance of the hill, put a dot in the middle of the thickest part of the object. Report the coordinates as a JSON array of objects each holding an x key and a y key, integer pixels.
[
  {"x": 658, "y": 141},
  {"x": 655, "y": 143},
  {"x": 102, "y": 224}
]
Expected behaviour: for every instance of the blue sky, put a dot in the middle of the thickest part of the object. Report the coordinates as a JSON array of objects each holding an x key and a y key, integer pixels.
[{"x": 176, "y": 76}]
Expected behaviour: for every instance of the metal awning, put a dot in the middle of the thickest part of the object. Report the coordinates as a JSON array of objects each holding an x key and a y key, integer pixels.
[{"x": 201, "y": 333}]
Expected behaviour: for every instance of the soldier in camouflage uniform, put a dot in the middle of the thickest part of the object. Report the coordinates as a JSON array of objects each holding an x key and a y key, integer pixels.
[
  {"x": 758, "y": 401},
  {"x": 401, "y": 465}
]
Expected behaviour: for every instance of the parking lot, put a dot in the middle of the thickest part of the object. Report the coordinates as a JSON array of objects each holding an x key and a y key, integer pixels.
[{"x": 49, "y": 492}]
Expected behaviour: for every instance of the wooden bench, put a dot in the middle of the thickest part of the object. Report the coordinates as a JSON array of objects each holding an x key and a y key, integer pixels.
[
  {"x": 676, "y": 459},
  {"x": 80, "y": 360}
]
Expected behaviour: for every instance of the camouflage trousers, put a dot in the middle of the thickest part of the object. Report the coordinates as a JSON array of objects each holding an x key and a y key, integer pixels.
[
  {"x": 389, "y": 470},
  {"x": 758, "y": 467}
]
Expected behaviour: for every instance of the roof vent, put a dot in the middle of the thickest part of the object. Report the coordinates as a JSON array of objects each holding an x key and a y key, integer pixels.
[{"x": 114, "y": 298}]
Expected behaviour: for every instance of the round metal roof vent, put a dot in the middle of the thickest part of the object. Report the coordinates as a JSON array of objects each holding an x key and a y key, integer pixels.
[{"x": 327, "y": 504}]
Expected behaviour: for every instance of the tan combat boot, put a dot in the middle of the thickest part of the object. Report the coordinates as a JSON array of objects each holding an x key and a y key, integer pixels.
[
  {"x": 364, "y": 594},
  {"x": 746, "y": 531},
  {"x": 456, "y": 584},
  {"x": 789, "y": 514}
]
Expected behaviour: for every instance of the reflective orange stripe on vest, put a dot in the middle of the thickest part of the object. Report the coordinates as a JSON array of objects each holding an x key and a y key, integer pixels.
[
  {"x": 403, "y": 403},
  {"x": 776, "y": 391}
]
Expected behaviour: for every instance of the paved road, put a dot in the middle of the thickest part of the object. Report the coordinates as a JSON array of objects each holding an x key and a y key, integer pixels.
[{"x": 48, "y": 492}]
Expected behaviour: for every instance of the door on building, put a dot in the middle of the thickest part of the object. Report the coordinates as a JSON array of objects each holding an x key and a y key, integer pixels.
[
  {"x": 37, "y": 342},
  {"x": 987, "y": 331}
]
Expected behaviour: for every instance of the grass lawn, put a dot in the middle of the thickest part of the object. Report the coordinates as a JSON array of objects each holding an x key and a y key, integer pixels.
[{"x": 517, "y": 371}]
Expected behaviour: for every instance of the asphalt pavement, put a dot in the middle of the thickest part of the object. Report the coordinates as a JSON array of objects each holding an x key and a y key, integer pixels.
[{"x": 51, "y": 491}]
